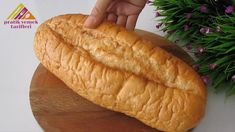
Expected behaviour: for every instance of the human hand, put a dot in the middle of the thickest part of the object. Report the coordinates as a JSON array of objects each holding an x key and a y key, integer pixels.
[{"x": 122, "y": 12}]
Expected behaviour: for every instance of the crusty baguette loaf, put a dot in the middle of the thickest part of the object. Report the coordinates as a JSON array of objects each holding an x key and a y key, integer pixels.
[{"x": 118, "y": 70}]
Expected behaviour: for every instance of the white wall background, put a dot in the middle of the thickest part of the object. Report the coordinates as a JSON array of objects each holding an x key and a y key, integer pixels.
[{"x": 17, "y": 64}]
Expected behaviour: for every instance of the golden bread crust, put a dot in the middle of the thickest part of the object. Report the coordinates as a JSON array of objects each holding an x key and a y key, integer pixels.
[{"x": 117, "y": 69}]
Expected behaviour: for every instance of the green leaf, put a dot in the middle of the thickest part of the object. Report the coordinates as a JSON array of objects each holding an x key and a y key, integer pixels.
[
  {"x": 218, "y": 81},
  {"x": 223, "y": 45},
  {"x": 231, "y": 90},
  {"x": 231, "y": 49}
]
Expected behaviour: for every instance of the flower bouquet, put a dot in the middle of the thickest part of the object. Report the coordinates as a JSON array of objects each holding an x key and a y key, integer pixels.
[{"x": 206, "y": 30}]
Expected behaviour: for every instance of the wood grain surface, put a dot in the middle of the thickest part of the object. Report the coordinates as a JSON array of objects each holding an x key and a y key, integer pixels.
[{"x": 59, "y": 109}]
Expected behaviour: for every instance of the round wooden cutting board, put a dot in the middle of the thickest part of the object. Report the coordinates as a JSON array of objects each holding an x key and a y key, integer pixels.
[{"x": 59, "y": 109}]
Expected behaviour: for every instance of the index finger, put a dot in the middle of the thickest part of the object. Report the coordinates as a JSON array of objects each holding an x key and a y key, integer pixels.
[{"x": 98, "y": 13}]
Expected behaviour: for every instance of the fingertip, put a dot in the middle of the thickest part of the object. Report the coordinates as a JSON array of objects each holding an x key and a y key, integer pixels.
[
  {"x": 131, "y": 28},
  {"x": 89, "y": 23},
  {"x": 112, "y": 17},
  {"x": 121, "y": 20},
  {"x": 131, "y": 22}
]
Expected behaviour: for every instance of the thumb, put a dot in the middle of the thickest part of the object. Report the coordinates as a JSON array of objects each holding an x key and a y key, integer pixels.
[{"x": 98, "y": 13}]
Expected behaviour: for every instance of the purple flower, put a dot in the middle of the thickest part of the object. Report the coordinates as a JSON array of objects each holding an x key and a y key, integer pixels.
[
  {"x": 200, "y": 50},
  {"x": 157, "y": 14},
  {"x": 203, "y": 9},
  {"x": 229, "y": 9},
  {"x": 149, "y": 2},
  {"x": 208, "y": 30},
  {"x": 202, "y": 30},
  {"x": 205, "y": 79},
  {"x": 205, "y": 30},
  {"x": 212, "y": 66},
  {"x": 233, "y": 77},
  {"x": 195, "y": 67},
  {"x": 158, "y": 25},
  {"x": 186, "y": 27},
  {"x": 189, "y": 46},
  {"x": 218, "y": 29},
  {"x": 189, "y": 15}
]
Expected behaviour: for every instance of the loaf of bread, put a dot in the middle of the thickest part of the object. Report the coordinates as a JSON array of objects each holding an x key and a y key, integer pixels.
[{"x": 118, "y": 70}]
